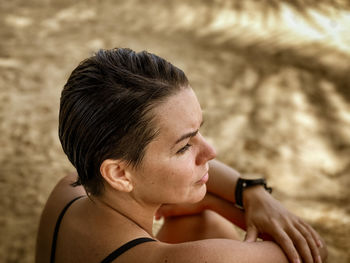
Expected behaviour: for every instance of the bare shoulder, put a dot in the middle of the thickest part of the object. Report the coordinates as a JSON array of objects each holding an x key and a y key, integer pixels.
[
  {"x": 217, "y": 250},
  {"x": 64, "y": 191},
  {"x": 60, "y": 196}
]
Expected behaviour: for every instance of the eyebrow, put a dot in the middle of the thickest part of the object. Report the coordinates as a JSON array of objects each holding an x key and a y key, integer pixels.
[{"x": 188, "y": 135}]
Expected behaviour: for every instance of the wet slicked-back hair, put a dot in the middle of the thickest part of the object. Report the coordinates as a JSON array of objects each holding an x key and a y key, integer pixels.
[{"x": 106, "y": 109}]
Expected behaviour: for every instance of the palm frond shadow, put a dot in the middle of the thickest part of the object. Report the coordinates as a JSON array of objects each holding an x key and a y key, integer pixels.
[
  {"x": 301, "y": 7},
  {"x": 312, "y": 67}
]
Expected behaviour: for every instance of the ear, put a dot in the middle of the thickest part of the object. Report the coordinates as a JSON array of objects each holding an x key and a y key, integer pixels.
[{"x": 116, "y": 175}]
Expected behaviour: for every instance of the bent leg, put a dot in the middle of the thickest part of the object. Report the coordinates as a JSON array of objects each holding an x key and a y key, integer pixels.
[{"x": 205, "y": 225}]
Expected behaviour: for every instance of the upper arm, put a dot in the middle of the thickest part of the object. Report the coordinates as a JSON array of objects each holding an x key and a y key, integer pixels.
[
  {"x": 62, "y": 193},
  {"x": 222, "y": 250}
]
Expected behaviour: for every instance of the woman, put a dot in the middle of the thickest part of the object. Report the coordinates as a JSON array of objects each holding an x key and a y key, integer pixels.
[{"x": 129, "y": 123}]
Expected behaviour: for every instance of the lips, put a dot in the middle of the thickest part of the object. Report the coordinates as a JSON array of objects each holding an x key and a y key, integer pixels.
[{"x": 204, "y": 179}]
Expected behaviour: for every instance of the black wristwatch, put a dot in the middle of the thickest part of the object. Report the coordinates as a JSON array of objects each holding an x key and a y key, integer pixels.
[{"x": 246, "y": 181}]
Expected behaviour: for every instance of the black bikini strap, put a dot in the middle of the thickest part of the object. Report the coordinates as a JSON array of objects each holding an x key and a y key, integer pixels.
[
  {"x": 116, "y": 253},
  {"x": 55, "y": 233}
]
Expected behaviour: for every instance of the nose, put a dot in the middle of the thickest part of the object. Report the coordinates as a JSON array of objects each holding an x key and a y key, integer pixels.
[{"x": 206, "y": 152}]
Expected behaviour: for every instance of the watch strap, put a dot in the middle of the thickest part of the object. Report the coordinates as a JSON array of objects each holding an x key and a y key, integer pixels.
[{"x": 246, "y": 183}]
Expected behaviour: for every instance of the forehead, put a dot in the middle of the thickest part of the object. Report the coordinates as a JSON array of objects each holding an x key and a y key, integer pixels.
[{"x": 179, "y": 114}]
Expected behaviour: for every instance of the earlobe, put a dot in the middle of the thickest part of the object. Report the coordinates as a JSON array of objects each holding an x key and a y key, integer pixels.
[{"x": 115, "y": 174}]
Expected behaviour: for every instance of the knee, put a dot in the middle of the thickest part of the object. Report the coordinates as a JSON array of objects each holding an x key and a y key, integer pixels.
[
  {"x": 205, "y": 225},
  {"x": 198, "y": 223},
  {"x": 209, "y": 220},
  {"x": 212, "y": 225}
]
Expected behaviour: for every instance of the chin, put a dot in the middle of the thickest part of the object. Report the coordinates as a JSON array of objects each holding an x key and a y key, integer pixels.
[{"x": 199, "y": 195}]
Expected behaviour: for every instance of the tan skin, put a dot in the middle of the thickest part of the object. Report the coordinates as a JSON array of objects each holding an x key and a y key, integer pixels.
[{"x": 173, "y": 172}]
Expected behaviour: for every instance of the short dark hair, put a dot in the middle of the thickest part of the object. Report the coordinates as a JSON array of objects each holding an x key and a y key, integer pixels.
[{"x": 106, "y": 109}]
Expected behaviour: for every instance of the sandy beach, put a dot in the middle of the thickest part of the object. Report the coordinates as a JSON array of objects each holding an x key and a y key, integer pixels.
[{"x": 272, "y": 78}]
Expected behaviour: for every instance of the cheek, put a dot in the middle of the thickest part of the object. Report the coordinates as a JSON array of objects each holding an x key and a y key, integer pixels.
[
  {"x": 180, "y": 180},
  {"x": 184, "y": 167},
  {"x": 171, "y": 180}
]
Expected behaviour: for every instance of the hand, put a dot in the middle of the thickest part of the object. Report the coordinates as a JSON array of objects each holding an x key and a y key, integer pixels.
[{"x": 264, "y": 214}]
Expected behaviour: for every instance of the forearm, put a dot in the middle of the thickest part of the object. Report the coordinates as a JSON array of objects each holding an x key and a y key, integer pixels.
[
  {"x": 222, "y": 180},
  {"x": 230, "y": 212},
  {"x": 226, "y": 209}
]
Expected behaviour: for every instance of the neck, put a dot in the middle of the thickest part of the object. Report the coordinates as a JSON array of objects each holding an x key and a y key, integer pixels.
[{"x": 137, "y": 212}]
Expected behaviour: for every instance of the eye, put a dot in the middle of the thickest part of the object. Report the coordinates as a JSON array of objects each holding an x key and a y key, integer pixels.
[{"x": 184, "y": 149}]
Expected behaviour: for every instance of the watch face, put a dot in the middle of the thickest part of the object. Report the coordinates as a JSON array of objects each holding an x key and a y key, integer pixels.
[{"x": 251, "y": 176}]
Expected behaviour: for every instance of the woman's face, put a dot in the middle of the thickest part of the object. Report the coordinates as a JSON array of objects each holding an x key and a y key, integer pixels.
[{"x": 175, "y": 166}]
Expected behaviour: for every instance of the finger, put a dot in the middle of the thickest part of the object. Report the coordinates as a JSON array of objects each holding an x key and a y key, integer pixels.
[
  {"x": 251, "y": 234},
  {"x": 314, "y": 234},
  {"x": 301, "y": 243},
  {"x": 158, "y": 215},
  {"x": 286, "y": 244},
  {"x": 311, "y": 242}
]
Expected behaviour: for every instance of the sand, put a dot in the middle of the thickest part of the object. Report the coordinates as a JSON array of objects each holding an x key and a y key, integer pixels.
[{"x": 272, "y": 78}]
